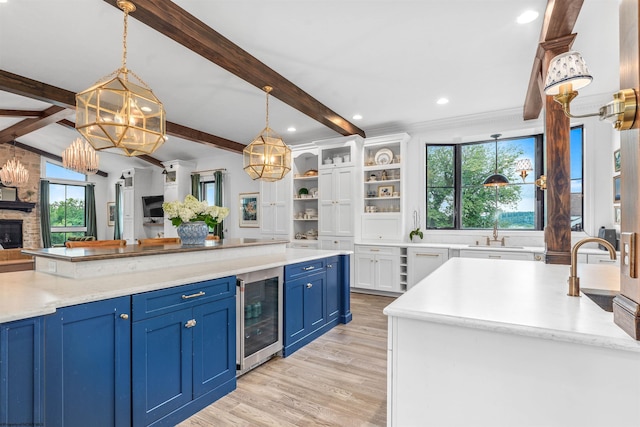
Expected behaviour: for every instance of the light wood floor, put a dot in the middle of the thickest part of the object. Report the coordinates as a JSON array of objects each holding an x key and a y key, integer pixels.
[{"x": 337, "y": 380}]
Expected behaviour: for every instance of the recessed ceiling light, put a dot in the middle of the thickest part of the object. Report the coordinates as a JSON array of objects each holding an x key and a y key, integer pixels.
[
  {"x": 527, "y": 16},
  {"x": 442, "y": 101},
  {"x": 291, "y": 129},
  {"x": 4, "y": 1},
  {"x": 357, "y": 117}
]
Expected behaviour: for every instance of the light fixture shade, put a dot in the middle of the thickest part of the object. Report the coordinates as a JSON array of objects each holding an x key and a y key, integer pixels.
[
  {"x": 267, "y": 158},
  {"x": 80, "y": 157},
  {"x": 121, "y": 114},
  {"x": 14, "y": 174},
  {"x": 496, "y": 180},
  {"x": 524, "y": 165},
  {"x": 566, "y": 68}
]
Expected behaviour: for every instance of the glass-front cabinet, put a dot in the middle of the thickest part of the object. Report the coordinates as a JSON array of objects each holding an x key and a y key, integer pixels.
[
  {"x": 383, "y": 192},
  {"x": 305, "y": 198}
]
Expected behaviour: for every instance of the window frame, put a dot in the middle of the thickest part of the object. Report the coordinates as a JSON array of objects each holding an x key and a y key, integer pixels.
[
  {"x": 66, "y": 182},
  {"x": 539, "y": 162}
]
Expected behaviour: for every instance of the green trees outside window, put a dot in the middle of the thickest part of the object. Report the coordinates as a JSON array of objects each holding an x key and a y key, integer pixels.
[{"x": 457, "y": 199}]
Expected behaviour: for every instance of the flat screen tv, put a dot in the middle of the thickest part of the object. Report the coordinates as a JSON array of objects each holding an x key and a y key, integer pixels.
[{"x": 152, "y": 206}]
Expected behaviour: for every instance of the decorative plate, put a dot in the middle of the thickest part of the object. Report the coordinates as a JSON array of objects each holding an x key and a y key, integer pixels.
[
  {"x": 313, "y": 191},
  {"x": 311, "y": 172},
  {"x": 384, "y": 156}
]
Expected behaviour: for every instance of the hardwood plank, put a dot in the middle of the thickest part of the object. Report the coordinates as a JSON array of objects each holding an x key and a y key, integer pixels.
[{"x": 340, "y": 379}]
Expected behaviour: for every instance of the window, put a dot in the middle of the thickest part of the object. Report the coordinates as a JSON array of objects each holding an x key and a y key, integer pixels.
[
  {"x": 66, "y": 204},
  {"x": 457, "y": 199},
  {"x": 208, "y": 191}
]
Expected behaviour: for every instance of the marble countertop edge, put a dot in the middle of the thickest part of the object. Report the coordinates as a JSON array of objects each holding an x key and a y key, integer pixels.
[{"x": 617, "y": 343}]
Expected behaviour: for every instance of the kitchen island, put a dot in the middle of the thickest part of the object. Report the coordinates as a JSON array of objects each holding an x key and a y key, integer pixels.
[
  {"x": 499, "y": 343},
  {"x": 145, "y": 336}
]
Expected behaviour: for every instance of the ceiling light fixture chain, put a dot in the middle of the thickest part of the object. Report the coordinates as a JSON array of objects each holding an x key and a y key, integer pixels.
[
  {"x": 118, "y": 113},
  {"x": 267, "y": 157}
]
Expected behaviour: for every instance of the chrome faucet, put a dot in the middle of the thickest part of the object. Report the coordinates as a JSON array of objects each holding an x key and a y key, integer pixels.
[{"x": 574, "y": 280}]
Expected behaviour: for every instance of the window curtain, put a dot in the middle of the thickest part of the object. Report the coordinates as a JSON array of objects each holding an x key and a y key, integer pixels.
[
  {"x": 45, "y": 220},
  {"x": 90, "y": 211},
  {"x": 117, "y": 227},
  {"x": 195, "y": 186},
  {"x": 219, "y": 200}
]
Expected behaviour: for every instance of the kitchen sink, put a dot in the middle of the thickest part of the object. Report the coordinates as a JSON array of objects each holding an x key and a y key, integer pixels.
[{"x": 602, "y": 297}]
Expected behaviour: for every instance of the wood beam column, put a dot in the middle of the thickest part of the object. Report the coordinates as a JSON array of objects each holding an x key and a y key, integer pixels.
[
  {"x": 626, "y": 306},
  {"x": 557, "y": 233}
]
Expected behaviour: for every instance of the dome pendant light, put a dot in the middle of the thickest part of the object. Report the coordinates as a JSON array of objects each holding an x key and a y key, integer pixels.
[
  {"x": 267, "y": 158},
  {"x": 497, "y": 179},
  {"x": 117, "y": 113}
]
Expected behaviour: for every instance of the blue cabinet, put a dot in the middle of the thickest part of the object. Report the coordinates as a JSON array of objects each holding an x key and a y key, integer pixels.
[
  {"x": 88, "y": 365},
  {"x": 316, "y": 298},
  {"x": 21, "y": 379},
  {"x": 183, "y": 350}
]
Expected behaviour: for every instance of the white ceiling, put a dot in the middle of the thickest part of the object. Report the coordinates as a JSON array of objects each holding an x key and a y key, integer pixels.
[{"x": 388, "y": 60}]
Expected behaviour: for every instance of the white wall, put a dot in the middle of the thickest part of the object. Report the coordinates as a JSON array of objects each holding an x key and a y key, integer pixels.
[
  {"x": 600, "y": 141},
  {"x": 235, "y": 181}
]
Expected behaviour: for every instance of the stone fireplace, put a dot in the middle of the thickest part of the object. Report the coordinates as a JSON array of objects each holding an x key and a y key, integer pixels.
[
  {"x": 11, "y": 233},
  {"x": 29, "y": 193}
]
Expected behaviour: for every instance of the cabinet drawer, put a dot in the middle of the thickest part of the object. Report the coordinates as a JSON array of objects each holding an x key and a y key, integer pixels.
[
  {"x": 386, "y": 250},
  {"x": 524, "y": 256},
  {"x": 155, "y": 303},
  {"x": 293, "y": 271}
]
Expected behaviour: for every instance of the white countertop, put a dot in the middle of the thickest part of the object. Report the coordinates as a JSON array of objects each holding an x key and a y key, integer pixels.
[
  {"x": 27, "y": 294},
  {"x": 519, "y": 297}
]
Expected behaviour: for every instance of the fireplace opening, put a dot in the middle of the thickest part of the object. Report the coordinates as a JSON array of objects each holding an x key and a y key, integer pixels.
[{"x": 11, "y": 233}]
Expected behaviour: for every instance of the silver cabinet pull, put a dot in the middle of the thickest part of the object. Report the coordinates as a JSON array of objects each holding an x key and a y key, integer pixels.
[
  {"x": 309, "y": 285},
  {"x": 374, "y": 250},
  {"x": 124, "y": 316},
  {"x": 329, "y": 265},
  {"x": 428, "y": 255},
  {"x": 495, "y": 256},
  {"x": 199, "y": 294},
  {"x": 190, "y": 323},
  {"x": 311, "y": 267}
]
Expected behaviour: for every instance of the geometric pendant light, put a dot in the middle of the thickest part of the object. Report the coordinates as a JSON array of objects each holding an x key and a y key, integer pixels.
[
  {"x": 267, "y": 158},
  {"x": 118, "y": 113}
]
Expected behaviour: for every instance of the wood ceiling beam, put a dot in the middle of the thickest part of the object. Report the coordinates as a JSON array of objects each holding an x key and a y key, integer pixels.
[
  {"x": 50, "y": 115},
  {"x": 33, "y": 89},
  {"x": 49, "y": 155},
  {"x": 19, "y": 113},
  {"x": 176, "y": 23},
  {"x": 559, "y": 20}
]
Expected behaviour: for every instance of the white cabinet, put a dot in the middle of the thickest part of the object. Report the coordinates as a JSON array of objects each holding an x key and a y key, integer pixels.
[
  {"x": 423, "y": 261},
  {"x": 335, "y": 192},
  {"x": 336, "y": 243},
  {"x": 305, "y": 197},
  {"x": 383, "y": 182},
  {"x": 177, "y": 185},
  {"x": 491, "y": 254},
  {"x": 378, "y": 268},
  {"x": 602, "y": 259},
  {"x": 137, "y": 183},
  {"x": 275, "y": 208}
]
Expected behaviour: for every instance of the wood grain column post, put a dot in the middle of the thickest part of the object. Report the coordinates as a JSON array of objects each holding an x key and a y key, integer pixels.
[
  {"x": 557, "y": 232},
  {"x": 626, "y": 306}
]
